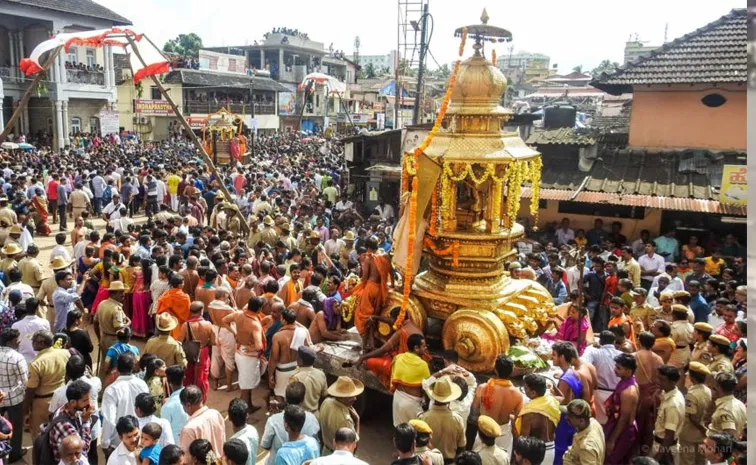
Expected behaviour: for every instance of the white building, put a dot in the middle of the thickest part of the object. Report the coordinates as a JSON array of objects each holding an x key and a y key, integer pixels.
[
  {"x": 380, "y": 62},
  {"x": 80, "y": 86}
]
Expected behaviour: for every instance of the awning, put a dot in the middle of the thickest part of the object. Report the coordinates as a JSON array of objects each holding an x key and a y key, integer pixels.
[
  {"x": 634, "y": 200},
  {"x": 388, "y": 170}
]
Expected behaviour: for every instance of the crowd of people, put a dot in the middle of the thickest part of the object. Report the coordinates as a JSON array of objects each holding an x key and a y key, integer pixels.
[{"x": 234, "y": 286}]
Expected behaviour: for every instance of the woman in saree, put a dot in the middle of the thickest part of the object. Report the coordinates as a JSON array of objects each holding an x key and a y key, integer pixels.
[
  {"x": 103, "y": 273},
  {"x": 41, "y": 208},
  {"x": 127, "y": 276},
  {"x": 575, "y": 327},
  {"x": 83, "y": 265},
  {"x": 141, "y": 322}
]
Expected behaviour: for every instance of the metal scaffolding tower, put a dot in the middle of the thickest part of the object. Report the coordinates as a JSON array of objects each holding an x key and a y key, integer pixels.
[{"x": 409, "y": 56}]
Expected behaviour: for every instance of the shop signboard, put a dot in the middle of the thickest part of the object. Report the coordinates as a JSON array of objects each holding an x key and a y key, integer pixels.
[
  {"x": 146, "y": 107},
  {"x": 734, "y": 189},
  {"x": 109, "y": 123}
]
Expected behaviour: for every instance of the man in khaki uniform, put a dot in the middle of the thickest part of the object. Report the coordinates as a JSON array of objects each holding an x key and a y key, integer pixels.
[
  {"x": 163, "y": 345},
  {"x": 588, "y": 444},
  {"x": 448, "y": 426},
  {"x": 697, "y": 401},
  {"x": 701, "y": 333},
  {"x": 31, "y": 268},
  {"x": 669, "y": 417},
  {"x": 7, "y": 215},
  {"x": 314, "y": 380},
  {"x": 78, "y": 202},
  {"x": 729, "y": 415},
  {"x": 109, "y": 319},
  {"x": 423, "y": 443},
  {"x": 285, "y": 237},
  {"x": 337, "y": 410},
  {"x": 11, "y": 251},
  {"x": 233, "y": 223},
  {"x": 47, "y": 372},
  {"x": 254, "y": 232},
  {"x": 490, "y": 454},
  {"x": 268, "y": 234}
]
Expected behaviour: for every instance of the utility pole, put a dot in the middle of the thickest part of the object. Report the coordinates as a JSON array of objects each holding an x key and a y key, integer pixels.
[{"x": 421, "y": 68}]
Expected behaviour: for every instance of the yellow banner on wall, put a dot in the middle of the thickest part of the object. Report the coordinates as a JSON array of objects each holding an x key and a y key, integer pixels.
[{"x": 734, "y": 189}]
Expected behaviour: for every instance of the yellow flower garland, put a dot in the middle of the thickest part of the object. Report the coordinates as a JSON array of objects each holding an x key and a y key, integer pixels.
[
  {"x": 493, "y": 57},
  {"x": 407, "y": 285}
]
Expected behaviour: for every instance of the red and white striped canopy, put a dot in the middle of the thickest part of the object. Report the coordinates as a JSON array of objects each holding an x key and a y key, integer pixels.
[{"x": 154, "y": 61}]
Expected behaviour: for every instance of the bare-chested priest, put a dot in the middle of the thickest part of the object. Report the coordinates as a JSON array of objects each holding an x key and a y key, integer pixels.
[
  {"x": 539, "y": 417},
  {"x": 499, "y": 399},
  {"x": 283, "y": 354},
  {"x": 250, "y": 347},
  {"x": 224, "y": 352}
]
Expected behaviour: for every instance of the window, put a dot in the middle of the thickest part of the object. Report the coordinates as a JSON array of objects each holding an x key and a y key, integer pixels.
[
  {"x": 155, "y": 93},
  {"x": 75, "y": 125},
  {"x": 91, "y": 61},
  {"x": 714, "y": 100},
  {"x": 599, "y": 209},
  {"x": 72, "y": 56},
  {"x": 94, "y": 125}
]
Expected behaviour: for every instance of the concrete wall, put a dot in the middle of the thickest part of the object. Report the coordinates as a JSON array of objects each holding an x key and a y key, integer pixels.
[
  {"x": 41, "y": 113},
  {"x": 673, "y": 117},
  {"x": 631, "y": 228},
  {"x": 85, "y": 109},
  {"x": 267, "y": 121},
  {"x": 157, "y": 126}
]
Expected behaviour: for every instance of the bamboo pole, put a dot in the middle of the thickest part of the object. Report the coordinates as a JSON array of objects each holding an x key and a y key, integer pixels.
[
  {"x": 27, "y": 95},
  {"x": 189, "y": 131}
]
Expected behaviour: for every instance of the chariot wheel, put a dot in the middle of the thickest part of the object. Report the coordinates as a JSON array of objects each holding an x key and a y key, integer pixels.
[
  {"x": 415, "y": 310},
  {"x": 478, "y": 336}
]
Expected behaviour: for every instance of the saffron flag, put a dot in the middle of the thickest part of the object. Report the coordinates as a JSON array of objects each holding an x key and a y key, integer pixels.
[{"x": 153, "y": 62}]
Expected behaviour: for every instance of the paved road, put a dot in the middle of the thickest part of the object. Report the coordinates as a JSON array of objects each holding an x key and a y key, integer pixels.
[{"x": 376, "y": 430}]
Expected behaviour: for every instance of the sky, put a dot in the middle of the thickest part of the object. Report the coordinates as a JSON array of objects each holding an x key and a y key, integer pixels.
[{"x": 571, "y": 33}]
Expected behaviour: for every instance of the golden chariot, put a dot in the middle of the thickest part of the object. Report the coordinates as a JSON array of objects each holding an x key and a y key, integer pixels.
[{"x": 469, "y": 173}]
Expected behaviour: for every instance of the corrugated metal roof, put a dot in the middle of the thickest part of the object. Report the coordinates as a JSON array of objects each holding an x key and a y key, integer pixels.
[
  {"x": 714, "y": 53},
  {"x": 632, "y": 200},
  {"x": 215, "y": 79},
  {"x": 694, "y": 174},
  {"x": 561, "y": 136}
]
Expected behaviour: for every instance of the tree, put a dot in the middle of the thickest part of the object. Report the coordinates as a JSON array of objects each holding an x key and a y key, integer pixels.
[
  {"x": 577, "y": 69},
  {"x": 442, "y": 72},
  {"x": 184, "y": 45},
  {"x": 605, "y": 66},
  {"x": 369, "y": 71},
  {"x": 404, "y": 69}
]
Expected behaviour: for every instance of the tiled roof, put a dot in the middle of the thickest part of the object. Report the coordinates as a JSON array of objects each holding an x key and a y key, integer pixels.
[
  {"x": 664, "y": 203},
  {"x": 78, "y": 7},
  {"x": 560, "y": 136},
  {"x": 618, "y": 123},
  {"x": 215, "y": 79},
  {"x": 682, "y": 174},
  {"x": 715, "y": 53}
]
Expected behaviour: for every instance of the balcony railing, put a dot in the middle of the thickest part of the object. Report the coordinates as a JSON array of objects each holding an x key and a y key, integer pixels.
[
  {"x": 77, "y": 76},
  {"x": 5, "y": 72},
  {"x": 197, "y": 107},
  {"x": 265, "y": 108}
]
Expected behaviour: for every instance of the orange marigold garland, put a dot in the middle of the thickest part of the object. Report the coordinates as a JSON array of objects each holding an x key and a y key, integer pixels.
[
  {"x": 407, "y": 285},
  {"x": 493, "y": 57},
  {"x": 434, "y": 211}
]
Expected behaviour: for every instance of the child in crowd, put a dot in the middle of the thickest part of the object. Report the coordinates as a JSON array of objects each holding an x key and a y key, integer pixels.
[{"x": 150, "y": 452}]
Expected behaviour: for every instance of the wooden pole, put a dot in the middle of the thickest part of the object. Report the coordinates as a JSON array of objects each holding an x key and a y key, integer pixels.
[
  {"x": 27, "y": 95},
  {"x": 189, "y": 131}
]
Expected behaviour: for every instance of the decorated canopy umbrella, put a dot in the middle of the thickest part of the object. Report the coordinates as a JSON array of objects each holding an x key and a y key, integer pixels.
[
  {"x": 332, "y": 85},
  {"x": 145, "y": 59},
  {"x": 25, "y": 146},
  {"x": 9, "y": 145}
]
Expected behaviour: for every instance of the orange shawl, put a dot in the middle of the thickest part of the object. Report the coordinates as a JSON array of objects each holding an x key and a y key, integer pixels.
[
  {"x": 176, "y": 302},
  {"x": 619, "y": 321},
  {"x": 289, "y": 293}
]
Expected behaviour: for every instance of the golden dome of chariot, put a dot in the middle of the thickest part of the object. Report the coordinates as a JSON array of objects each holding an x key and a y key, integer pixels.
[{"x": 474, "y": 127}]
